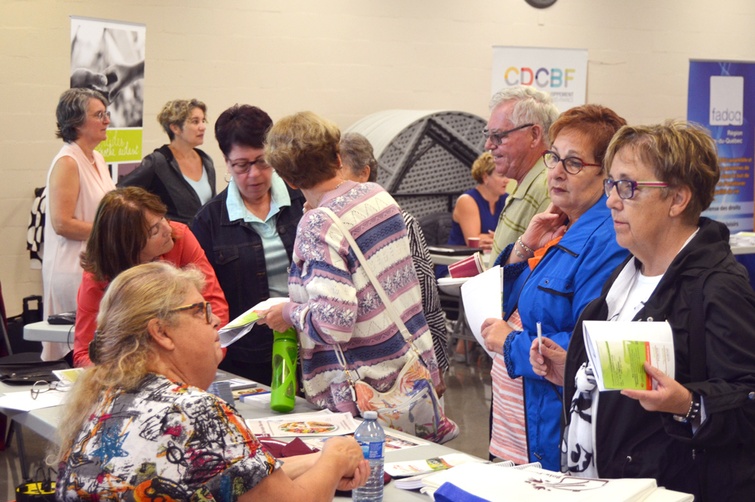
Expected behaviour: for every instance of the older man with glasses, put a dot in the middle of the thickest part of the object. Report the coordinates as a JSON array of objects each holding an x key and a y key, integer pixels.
[{"x": 516, "y": 136}]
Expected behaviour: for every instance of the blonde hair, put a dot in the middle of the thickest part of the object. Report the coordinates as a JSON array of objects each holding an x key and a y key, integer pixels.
[
  {"x": 122, "y": 346},
  {"x": 303, "y": 149},
  {"x": 484, "y": 164},
  {"x": 176, "y": 112}
]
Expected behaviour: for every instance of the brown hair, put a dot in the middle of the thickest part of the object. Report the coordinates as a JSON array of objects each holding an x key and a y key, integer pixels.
[
  {"x": 303, "y": 149},
  {"x": 680, "y": 153},
  {"x": 119, "y": 232},
  {"x": 595, "y": 122},
  {"x": 176, "y": 112}
]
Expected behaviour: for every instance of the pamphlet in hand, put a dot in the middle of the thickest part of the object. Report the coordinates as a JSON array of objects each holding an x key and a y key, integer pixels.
[
  {"x": 482, "y": 296},
  {"x": 617, "y": 351},
  {"x": 244, "y": 323}
]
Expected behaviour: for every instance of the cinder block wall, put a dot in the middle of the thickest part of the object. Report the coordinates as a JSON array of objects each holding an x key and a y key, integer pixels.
[{"x": 343, "y": 59}]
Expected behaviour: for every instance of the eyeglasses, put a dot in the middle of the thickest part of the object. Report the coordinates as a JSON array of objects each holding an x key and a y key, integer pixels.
[
  {"x": 42, "y": 386},
  {"x": 497, "y": 137},
  {"x": 207, "y": 306},
  {"x": 572, "y": 165},
  {"x": 102, "y": 116},
  {"x": 626, "y": 188},
  {"x": 244, "y": 166},
  {"x": 196, "y": 121}
]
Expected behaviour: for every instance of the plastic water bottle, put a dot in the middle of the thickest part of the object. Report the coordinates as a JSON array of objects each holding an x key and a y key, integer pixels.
[
  {"x": 371, "y": 438},
  {"x": 283, "y": 386}
]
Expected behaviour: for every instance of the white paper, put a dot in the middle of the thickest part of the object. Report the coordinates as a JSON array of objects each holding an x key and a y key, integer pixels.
[
  {"x": 244, "y": 323},
  {"x": 483, "y": 298},
  {"x": 611, "y": 339},
  {"x": 22, "y": 400},
  {"x": 425, "y": 465}
]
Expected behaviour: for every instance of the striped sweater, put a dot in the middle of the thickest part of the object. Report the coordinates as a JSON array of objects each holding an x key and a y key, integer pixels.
[{"x": 333, "y": 301}]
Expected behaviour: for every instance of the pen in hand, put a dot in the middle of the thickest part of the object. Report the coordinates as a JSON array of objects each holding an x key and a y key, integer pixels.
[{"x": 540, "y": 338}]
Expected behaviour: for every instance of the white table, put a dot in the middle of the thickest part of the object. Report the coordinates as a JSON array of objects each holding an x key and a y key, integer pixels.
[
  {"x": 45, "y": 423},
  {"x": 43, "y": 331}
]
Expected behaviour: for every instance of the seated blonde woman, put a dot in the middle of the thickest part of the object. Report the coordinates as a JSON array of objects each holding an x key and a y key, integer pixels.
[{"x": 140, "y": 424}]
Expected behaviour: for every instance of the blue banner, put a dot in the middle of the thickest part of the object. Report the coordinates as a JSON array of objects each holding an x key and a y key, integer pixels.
[{"x": 721, "y": 98}]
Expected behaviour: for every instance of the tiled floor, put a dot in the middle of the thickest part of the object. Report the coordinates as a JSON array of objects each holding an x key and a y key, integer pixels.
[{"x": 467, "y": 402}]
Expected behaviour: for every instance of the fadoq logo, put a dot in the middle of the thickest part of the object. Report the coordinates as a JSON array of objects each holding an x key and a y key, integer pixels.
[
  {"x": 540, "y": 77},
  {"x": 726, "y": 100}
]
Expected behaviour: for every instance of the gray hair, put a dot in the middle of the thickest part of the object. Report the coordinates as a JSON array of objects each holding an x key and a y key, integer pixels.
[
  {"x": 532, "y": 106},
  {"x": 72, "y": 111},
  {"x": 357, "y": 152}
]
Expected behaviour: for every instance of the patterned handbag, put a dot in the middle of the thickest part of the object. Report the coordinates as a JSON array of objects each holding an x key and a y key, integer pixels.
[{"x": 411, "y": 405}]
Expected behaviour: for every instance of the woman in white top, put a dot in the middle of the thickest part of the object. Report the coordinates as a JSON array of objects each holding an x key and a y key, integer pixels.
[{"x": 78, "y": 178}]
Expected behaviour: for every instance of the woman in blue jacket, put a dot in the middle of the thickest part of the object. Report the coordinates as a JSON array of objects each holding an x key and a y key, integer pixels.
[
  {"x": 248, "y": 233},
  {"x": 551, "y": 272}
]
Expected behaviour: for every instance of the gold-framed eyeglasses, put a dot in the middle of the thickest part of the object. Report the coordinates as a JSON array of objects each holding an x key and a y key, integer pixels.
[
  {"x": 627, "y": 188},
  {"x": 102, "y": 116},
  {"x": 572, "y": 165},
  {"x": 243, "y": 166},
  {"x": 497, "y": 137},
  {"x": 42, "y": 386},
  {"x": 198, "y": 307}
]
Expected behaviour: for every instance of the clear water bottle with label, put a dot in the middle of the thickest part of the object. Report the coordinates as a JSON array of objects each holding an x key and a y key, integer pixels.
[{"x": 371, "y": 438}]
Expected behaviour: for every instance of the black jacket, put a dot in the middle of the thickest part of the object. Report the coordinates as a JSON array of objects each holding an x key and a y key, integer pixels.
[
  {"x": 717, "y": 463},
  {"x": 159, "y": 174},
  {"x": 235, "y": 251}
]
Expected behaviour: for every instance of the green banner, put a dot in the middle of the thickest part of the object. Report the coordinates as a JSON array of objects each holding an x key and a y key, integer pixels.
[{"x": 122, "y": 145}]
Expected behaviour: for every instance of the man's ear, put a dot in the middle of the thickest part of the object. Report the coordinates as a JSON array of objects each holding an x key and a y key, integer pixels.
[
  {"x": 680, "y": 200},
  {"x": 538, "y": 138},
  {"x": 160, "y": 336}
]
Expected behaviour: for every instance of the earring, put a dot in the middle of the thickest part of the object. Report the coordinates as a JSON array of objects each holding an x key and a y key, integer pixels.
[{"x": 227, "y": 177}]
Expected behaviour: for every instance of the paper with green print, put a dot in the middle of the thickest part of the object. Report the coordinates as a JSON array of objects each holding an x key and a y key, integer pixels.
[
  {"x": 618, "y": 350},
  {"x": 244, "y": 323}
]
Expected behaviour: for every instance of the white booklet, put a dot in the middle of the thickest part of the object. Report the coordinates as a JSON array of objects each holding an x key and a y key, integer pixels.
[
  {"x": 244, "y": 323},
  {"x": 411, "y": 472},
  {"x": 318, "y": 423},
  {"x": 617, "y": 351},
  {"x": 483, "y": 298}
]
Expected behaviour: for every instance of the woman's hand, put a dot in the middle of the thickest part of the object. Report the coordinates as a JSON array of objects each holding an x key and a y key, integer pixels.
[
  {"x": 669, "y": 395},
  {"x": 273, "y": 318},
  {"x": 544, "y": 227},
  {"x": 550, "y": 364},
  {"x": 486, "y": 241},
  {"x": 346, "y": 453},
  {"x": 357, "y": 479},
  {"x": 495, "y": 331}
]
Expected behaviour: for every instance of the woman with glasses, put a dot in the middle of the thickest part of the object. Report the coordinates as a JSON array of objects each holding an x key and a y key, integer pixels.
[
  {"x": 130, "y": 228},
  {"x": 696, "y": 431},
  {"x": 182, "y": 175},
  {"x": 76, "y": 181},
  {"x": 141, "y": 425},
  {"x": 248, "y": 233},
  {"x": 551, "y": 272}
]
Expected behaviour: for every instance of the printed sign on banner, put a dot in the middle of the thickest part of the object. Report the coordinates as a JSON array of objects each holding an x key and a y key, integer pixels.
[
  {"x": 560, "y": 72},
  {"x": 721, "y": 98}
]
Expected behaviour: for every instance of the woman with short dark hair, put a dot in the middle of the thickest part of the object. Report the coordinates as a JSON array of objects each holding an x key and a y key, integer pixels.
[
  {"x": 130, "y": 228},
  {"x": 248, "y": 233},
  {"x": 76, "y": 181}
]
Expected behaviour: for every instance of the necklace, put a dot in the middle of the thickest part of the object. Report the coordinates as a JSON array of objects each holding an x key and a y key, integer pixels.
[{"x": 319, "y": 199}]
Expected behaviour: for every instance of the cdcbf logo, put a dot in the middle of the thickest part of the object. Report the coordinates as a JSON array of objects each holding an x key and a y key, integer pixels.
[
  {"x": 726, "y": 100},
  {"x": 539, "y": 77}
]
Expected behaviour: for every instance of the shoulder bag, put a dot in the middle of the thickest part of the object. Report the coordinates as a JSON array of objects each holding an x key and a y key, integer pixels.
[{"x": 411, "y": 405}]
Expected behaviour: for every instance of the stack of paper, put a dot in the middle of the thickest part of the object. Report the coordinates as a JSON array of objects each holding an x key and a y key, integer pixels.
[{"x": 416, "y": 470}]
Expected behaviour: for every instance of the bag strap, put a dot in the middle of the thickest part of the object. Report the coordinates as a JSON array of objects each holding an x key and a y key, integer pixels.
[{"x": 389, "y": 306}]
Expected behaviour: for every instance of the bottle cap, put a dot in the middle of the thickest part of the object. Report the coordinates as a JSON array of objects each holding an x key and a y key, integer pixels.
[{"x": 370, "y": 415}]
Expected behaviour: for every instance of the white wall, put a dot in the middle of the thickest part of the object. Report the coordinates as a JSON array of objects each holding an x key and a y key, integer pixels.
[{"x": 343, "y": 59}]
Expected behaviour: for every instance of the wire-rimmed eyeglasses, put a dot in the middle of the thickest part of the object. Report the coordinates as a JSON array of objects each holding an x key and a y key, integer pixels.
[
  {"x": 199, "y": 306},
  {"x": 42, "y": 386},
  {"x": 496, "y": 138},
  {"x": 102, "y": 116},
  {"x": 626, "y": 188},
  {"x": 572, "y": 165}
]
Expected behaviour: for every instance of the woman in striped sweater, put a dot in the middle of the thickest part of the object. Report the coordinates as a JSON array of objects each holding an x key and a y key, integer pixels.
[{"x": 332, "y": 299}]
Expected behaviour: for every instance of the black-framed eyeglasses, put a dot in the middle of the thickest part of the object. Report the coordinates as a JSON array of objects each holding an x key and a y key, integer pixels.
[
  {"x": 244, "y": 166},
  {"x": 627, "y": 188},
  {"x": 42, "y": 386},
  {"x": 199, "y": 306},
  {"x": 497, "y": 137},
  {"x": 101, "y": 116},
  {"x": 572, "y": 165}
]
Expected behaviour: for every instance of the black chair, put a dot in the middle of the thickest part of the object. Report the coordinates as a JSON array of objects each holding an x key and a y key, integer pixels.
[{"x": 436, "y": 227}]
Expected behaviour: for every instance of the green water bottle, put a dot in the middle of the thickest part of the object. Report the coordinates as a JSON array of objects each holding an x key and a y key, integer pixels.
[{"x": 283, "y": 386}]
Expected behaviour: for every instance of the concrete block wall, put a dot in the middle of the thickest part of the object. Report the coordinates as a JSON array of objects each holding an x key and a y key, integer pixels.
[{"x": 343, "y": 59}]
